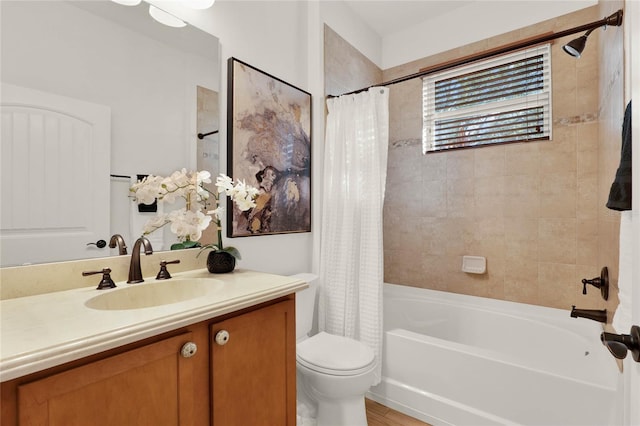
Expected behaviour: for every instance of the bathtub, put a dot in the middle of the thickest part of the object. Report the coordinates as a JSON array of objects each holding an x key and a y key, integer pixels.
[{"x": 451, "y": 359}]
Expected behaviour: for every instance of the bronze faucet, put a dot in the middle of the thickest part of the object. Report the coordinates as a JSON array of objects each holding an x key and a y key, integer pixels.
[
  {"x": 135, "y": 272},
  {"x": 592, "y": 314},
  {"x": 117, "y": 239}
]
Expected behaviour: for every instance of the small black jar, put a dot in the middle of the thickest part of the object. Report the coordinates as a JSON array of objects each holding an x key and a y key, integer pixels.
[{"x": 220, "y": 262}]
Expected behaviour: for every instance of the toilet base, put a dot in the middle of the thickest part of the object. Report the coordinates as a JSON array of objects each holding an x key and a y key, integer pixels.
[{"x": 351, "y": 412}]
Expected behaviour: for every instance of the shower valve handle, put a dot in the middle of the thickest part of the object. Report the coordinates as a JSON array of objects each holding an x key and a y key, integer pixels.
[{"x": 601, "y": 282}]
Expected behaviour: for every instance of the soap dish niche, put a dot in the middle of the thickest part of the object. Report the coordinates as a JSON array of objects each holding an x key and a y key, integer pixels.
[{"x": 474, "y": 264}]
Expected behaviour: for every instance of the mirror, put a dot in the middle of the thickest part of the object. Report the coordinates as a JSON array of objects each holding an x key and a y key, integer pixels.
[{"x": 158, "y": 86}]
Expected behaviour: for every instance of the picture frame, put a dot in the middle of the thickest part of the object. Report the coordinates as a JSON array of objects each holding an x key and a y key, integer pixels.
[{"x": 268, "y": 147}]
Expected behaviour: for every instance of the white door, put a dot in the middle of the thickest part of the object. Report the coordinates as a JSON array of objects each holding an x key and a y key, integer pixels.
[{"x": 55, "y": 177}]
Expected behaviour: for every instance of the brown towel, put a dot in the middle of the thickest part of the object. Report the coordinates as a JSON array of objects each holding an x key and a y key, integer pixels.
[{"x": 620, "y": 193}]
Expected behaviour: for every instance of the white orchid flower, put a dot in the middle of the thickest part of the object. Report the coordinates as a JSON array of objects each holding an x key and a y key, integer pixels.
[
  {"x": 217, "y": 212},
  {"x": 189, "y": 224},
  {"x": 224, "y": 183}
]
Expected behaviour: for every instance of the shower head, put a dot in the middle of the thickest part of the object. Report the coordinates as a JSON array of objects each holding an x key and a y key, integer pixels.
[{"x": 576, "y": 46}]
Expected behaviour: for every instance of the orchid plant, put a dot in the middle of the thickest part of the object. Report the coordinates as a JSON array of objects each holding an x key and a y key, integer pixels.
[{"x": 189, "y": 222}]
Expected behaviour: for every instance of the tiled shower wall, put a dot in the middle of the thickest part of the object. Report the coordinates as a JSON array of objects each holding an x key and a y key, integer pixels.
[
  {"x": 345, "y": 68},
  {"x": 534, "y": 210}
]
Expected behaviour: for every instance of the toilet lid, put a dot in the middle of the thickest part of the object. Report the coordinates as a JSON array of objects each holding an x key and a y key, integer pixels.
[{"x": 337, "y": 355}]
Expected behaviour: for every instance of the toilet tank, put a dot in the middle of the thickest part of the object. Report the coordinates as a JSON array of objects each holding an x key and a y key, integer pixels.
[{"x": 305, "y": 304}]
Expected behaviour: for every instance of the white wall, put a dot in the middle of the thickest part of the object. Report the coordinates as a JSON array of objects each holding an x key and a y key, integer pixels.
[
  {"x": 345, "y": 22},
  {"x": 476, "y": 21}
]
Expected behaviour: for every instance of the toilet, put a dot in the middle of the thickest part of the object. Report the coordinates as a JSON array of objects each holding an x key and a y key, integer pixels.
[{"x": 333, "y": 372}]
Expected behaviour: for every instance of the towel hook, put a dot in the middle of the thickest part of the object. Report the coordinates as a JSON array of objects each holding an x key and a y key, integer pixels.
[{"x": 202, "y": 135}]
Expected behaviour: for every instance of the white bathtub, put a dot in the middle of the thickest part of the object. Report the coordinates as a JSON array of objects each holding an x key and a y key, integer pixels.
[{"x": 458, "y": 360}]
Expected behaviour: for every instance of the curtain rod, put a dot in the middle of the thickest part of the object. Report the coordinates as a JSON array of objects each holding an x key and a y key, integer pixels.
[{"x": 614, "y": 20}]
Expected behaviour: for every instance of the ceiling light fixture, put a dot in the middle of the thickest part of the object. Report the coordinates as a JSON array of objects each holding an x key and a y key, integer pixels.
[
  {"x": 127, "y": 2},
  {"x": 165, "y": 17},
  {"x": 576, "y": 46},
  {"x": 199, "y": 4}
]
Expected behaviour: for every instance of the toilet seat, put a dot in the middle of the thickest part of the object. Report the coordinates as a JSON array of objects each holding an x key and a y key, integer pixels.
[{"x": 335, "y": 355}]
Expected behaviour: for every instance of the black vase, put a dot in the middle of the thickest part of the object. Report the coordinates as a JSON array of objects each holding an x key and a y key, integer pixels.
[{"x": 220, "y": 262}]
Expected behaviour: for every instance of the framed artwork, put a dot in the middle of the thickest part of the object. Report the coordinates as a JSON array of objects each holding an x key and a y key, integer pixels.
[{"x": 269, "y": 147}]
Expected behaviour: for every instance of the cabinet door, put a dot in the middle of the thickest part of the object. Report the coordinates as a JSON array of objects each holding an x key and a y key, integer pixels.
[
  {"x": 254, "y": 372},
  {"x": 151, "y": 385}
]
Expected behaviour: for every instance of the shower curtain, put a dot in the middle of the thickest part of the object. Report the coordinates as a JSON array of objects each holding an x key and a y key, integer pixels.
[{"x": 351, "y": 250}]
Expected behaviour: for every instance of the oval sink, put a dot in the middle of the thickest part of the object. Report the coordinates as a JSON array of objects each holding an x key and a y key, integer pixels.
[{"x": 154, "y": 293}]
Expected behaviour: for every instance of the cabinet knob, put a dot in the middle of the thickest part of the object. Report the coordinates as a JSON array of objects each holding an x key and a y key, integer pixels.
[
  {"x": 222, "y": 337},
  {"x": 188, "y": 350}
]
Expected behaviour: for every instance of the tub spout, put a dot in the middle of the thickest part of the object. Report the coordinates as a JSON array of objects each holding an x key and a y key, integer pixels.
[{"x": 599, "y": 315}]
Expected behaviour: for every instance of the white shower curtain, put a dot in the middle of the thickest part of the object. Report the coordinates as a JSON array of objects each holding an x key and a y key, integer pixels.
[{"x": 351, "y": 250}]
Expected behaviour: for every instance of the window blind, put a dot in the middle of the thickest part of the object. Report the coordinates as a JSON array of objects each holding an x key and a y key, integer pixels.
[{"x": 503, "y": 99}]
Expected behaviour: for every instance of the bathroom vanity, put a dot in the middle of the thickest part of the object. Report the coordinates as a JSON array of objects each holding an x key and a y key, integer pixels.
[{"x": 223, "y": 358}]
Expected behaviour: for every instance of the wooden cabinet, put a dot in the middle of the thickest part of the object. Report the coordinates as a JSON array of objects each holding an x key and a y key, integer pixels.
[
  {"x": 250, "y": 380},
  {"x": 149, "y": 385},
  {"x": 253, "y": 372}
]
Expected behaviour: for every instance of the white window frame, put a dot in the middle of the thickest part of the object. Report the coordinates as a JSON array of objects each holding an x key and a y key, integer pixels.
[{"x": 542, "y": 99}]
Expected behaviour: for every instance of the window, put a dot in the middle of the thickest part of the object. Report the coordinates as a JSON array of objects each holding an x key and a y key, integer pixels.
[{"x": 499, "y": 100}]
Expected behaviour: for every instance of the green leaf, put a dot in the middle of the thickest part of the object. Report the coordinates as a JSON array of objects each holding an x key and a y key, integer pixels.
[
  {"x": 233, "y": 252},
  {"x": 207, "y": 247},
  {"x": 191, "y": 244},
  {"x": 185, "y": 245}
]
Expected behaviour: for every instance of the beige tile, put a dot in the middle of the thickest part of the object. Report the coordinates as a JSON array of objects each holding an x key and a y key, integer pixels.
[
  {"x": 489, "y": 161},
  {"x": 433, "y": 235},
  {"x": 557, "y": 240},
  {"x": 433, "y": 198},
  {"x": 558, "y": 195},
  {"x": 557, "y": 285},
  {"x": 404, "y": 267},
  {"x": 521, "y": 197},
  {"x": 460, "y": 164},
  {"x": 587, "y": 136},
  {"x": 587, "y": 163},
  {"x": 559, "y": 155},
  {"x": 587, "y": 198},
  {"x": 489, "y": 196},
  {"x": 522, "y": 289},
  {"x": 461, "y": 234},
  {"x": 433, "y": 166},
  {"x": 460, "y": 197},
  {"x": 587, "y": 90},
  {"x": 522, "y": 158},
  {"x": 553, "y": 228},
  {"x": 403, "y": 163},
  {"x": 587, "y": 242},
  {"x": 564, "y": 99},
  {"x": 435, "y": 272},
  {"x": 521, "y": 229}
]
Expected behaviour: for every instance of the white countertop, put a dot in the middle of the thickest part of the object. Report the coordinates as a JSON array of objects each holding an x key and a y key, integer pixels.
[{"x": 42, "y": 331}]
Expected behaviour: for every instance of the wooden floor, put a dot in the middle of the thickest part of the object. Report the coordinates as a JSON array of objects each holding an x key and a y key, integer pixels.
[{"x": 379, "y": 415}]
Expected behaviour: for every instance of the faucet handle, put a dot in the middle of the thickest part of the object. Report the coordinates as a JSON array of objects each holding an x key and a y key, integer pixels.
[
  {"x": 601, "y": 282},
  {"x": 105, "y": 282},
  {"x": 619, "y": 344},
  {"x": 163, "y": 274}
]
